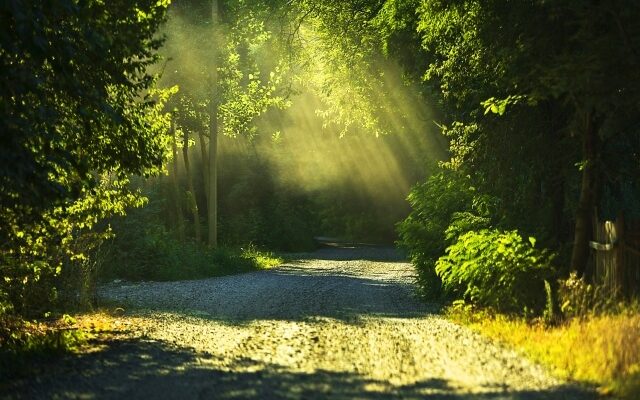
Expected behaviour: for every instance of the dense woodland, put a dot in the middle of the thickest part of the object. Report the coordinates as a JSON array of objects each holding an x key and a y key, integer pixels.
[{"x": 145, "y": 140}]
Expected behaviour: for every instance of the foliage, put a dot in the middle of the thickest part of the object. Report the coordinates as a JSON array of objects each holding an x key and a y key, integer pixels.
[
  {"x": 249, "y": 86},
  {"x": 22, "y": 341},
  {"x": 32, "y": 264},
  {"x": 496, "y": 269},
  {"x": 259, "y": 208},
  {"x": 78, "y": 115},
  {"x": 435, "y": 203},
  {"x": 522, "y": 86},
  {"x": 144, "y": 249},
  {"x": 71, "y": 98},
  {"x": 602, "y": 350},
  {"x": 339, "y": 57},
  {"x": 242, "y": 53}
]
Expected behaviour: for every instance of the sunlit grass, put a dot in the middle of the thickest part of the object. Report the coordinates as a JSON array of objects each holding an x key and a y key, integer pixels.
[
  {"x": 600, "y": 350},
  {"x": 22, "y": 341},
  {"x": 261, "y": 259},
  {"x": 165, "y": 259},
  {"x": 24, "y": 345}
]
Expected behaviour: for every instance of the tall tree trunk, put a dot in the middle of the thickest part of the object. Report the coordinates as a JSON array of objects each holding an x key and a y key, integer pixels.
[
  {"x": 205, "y": 163},
  {"x": 191, "y": 194},
  {"x": 583, "y": 227},
  {"x": 213, "y": 133},
  {"x": 175, "y": 184}
]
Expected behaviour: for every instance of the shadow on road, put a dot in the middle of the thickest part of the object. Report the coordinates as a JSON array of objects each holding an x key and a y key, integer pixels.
[
  {"x": 296, "y": 291},
  {"x": 145, "y": 369},
  {"x": 346, "y": 252},
  {"x": 286, "y": 294}
]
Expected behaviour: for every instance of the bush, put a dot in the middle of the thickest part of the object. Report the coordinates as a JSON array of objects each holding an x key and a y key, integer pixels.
[
  {"x": 423, "y": 233},
  {"x": 158, "y": 256},
  {"x": 144, "y": 249},
  {"x": 257, "y": 208},
  {"x": 47, "y": 264},
  {"x": 497, "y": 269},
  {"x": 23, "y": 341}
]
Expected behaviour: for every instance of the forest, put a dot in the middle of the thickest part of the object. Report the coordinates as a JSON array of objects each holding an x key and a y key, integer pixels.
[{"x": 495, "y": 145}]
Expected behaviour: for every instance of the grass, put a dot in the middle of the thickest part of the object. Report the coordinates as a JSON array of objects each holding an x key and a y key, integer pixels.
[
  {"x": 26, "y": 347},
  {"x": 23, "y": 342},
  {"x": 162, "y": 258},
  {"x": 601, "y": 350}
]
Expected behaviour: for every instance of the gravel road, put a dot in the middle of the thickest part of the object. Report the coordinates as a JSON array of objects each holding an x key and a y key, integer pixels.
[{"x": 337, "y": 323}]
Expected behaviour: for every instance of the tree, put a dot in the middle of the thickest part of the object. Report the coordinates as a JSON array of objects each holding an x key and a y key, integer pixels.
[
  {"x": 236, "y": 53},
  {"x": 212, "y": 166},
  {"x": 70, "y": 97},
  {"x": 77, "y": 116},
  {"x": 522, "y": 81}
]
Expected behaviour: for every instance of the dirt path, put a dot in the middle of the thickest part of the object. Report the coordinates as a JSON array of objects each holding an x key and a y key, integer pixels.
[{"x": 340, "y": 323}]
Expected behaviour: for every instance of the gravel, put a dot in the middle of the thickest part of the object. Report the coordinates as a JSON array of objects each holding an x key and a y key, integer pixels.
[{"x": 338, "y": 323}]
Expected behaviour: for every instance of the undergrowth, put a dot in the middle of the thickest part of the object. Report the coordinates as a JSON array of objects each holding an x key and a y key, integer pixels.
[
  {"x": 28, "y": 347},
  {"x": 160, "y": 257},
  {"x": 594, "y": 349},
  {"x": 23, "y": 342}
]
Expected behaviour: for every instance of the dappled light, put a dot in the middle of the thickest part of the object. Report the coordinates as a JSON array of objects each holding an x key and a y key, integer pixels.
[
  {"x": 143, "y": 368},
  {"x": 299, "y": 199}
]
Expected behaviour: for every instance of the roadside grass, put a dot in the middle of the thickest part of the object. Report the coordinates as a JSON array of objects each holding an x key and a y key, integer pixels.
[
  {"x": 601, "y": 350},
  {"x": 26, "y": 347},
  {"x": 169, "y": 260},
  {"x": 24, "y": 342}
]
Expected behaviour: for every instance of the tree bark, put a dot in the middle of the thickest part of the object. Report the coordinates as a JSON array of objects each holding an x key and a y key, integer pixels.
[
  {"x": 213, "y": 134},
  {"x": 175, "y": 184},
  {"x": 193, "y": 203},
  {"x": 205, "y": 163},
  {"x": 583, "y": 226}
]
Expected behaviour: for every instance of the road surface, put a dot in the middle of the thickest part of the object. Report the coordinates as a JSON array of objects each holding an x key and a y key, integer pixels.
[{"x": 337, "y": 323}]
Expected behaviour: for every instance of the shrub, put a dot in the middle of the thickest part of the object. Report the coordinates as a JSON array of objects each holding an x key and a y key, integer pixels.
[
  {"x": 143, "y": 248},
  {"x": 434, "y": 204},
  {"x": 290, "y": 222},
  {"x": 158, "y": 256},
  {"x": 52, "y": 256},
  {"x": 497, "y": 269},
  {"x": 22, "y": 341}
]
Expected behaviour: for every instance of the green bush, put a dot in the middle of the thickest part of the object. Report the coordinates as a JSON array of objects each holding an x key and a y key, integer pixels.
[
  {"x": 497, "y": 269},
  {"x": 161, "y": 257},
  {"x": 291, "y": 222},
  {"x": 143, "y": 249},
  {"x": 423, "y": 233},
  {"x": 22, "y": 342}
]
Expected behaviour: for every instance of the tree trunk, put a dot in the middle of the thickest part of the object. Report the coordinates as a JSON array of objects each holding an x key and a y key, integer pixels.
[
  {"x": 175, "y": 184},
  {"x": 193, "y": 203},
  {"x": 205, "y": 163},
  {"x": 583, "y": 227},
  {"x": 213, "y": 133}
]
